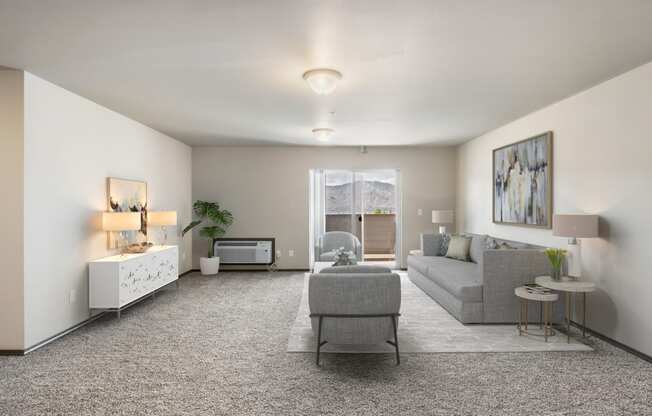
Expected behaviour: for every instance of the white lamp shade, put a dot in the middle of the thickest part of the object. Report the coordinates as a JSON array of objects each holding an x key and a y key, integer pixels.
[
  {"x": 161, "y": 218},
  {"x": 575, "y": 225},
  {"x": 322, "y": 81},
  {"x": 442, "y": 217},
  {"x": 120, "y": 221}
]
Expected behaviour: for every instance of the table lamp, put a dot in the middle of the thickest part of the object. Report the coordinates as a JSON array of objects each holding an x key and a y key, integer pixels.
[
  {"x": 575, "y": 226},
  {"x": 442, "y": 217},
  {"x": 119, "y": 222},
  {"x": 162, "y": 219}
]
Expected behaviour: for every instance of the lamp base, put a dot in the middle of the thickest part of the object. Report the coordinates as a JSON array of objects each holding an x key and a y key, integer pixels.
[
  {"x": 574, "y": 259},
  {"x": 442, "y": 229}
]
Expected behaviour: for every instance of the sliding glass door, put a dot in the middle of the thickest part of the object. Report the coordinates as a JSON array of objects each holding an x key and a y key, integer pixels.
[
  {"x": 364, "y": 203},
  {"x": 342, "y": 202}
]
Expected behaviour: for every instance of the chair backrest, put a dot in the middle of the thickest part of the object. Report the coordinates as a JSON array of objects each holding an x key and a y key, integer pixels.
[
  {"x": 332, "y": 240},
  {"x": 354, "y": 293}
]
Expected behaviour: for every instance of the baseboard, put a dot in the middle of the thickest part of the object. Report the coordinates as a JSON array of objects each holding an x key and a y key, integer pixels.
[
  {"x": 188, "y": 272},
  {"x": 12, "y": 352},
  {"x": 52, "y": 338},
  {"x": 615, "y": 343}
]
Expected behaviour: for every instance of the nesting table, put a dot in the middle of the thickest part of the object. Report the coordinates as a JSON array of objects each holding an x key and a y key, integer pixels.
[
  {"x": 546, "y": 300},
  {"x": 569, "y": 286}
]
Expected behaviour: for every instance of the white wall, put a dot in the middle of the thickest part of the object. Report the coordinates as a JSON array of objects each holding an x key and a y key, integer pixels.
[
  {"x": 266, "y": 188},
  {"x": 11, "y": 214},
  {"x": 602, "y": 165},
  {"x": 71, "y": 146}
]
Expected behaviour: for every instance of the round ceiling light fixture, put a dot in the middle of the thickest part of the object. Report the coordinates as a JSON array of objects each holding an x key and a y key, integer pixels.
[
  {"x": 322, "y": 80},
  {"x": 323, "y": 134}
]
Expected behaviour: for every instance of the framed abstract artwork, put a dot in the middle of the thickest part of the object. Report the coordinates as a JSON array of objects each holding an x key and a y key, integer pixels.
[
  {"x": 124, "y": 195},
  {"x": 522, "y": 182}
]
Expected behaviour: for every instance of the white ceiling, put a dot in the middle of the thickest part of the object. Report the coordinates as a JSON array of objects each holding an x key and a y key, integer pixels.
[{"x": 415, "y": 72}]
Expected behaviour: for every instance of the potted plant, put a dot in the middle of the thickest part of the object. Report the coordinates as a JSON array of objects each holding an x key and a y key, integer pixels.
[
  {"x": 556, "y": 258},
  {"x": 221, "y": 219}
]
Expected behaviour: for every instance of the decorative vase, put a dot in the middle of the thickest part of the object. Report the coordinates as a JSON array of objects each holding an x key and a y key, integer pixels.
[
  {"x": 556, "y": 274},
  {"x": 209, "y": 265}
]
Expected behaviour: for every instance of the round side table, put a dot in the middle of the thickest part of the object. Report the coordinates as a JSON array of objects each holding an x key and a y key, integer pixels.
[
  {"x": 545, "y": 300},
  {"x": 569, "y": 286}
]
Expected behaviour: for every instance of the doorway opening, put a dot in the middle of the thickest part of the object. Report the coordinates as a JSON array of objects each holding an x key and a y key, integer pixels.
[{"x": 365, "y": 203}]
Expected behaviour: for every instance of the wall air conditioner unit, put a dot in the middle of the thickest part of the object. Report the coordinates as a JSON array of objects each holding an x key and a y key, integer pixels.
[{"x": 245, "y": 251}]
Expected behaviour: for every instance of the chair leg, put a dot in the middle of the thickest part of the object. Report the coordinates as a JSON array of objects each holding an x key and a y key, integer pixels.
[
  {"x": 319, "y": 338},
  {"x": 398, "y": 357}
]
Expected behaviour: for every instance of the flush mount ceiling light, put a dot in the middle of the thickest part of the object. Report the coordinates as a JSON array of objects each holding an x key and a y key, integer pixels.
[
  {"x": 322, "y": 134},
  {"x": 322, "y": 80}
]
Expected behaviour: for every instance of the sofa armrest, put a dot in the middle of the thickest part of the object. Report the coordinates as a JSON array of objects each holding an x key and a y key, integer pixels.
[
  {"x": 430, "y": 244},
  {"x": 502, "y": 272}
]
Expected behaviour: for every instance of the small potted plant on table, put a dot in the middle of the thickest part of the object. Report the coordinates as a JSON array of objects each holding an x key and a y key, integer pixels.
[
  {"x": 556, "y": 258},
  {"x": 221, "y": 219}
]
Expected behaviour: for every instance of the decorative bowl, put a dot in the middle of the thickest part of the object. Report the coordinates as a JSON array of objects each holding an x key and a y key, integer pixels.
[{"x": 137, "y": 248}]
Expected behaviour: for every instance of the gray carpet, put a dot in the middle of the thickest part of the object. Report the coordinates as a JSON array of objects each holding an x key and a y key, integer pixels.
[
  {"x": 425, "y": 327},
  {"x": 218, "y": 346}
]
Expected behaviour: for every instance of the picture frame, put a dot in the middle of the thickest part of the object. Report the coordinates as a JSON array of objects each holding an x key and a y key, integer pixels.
[
  {"x": 123, "y": 195},
  {"x": 522, "y": 182}
]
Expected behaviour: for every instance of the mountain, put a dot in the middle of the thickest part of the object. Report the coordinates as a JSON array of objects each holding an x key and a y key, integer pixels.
[{"x": 377, "y": 196}]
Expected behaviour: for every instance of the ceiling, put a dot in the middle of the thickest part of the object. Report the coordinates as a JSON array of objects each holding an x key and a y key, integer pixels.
[{"x": 415, "y": 72}]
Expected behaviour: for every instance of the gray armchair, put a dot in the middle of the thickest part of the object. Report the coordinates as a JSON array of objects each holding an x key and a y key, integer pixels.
[
  {"x": 331, "y": 241},
  {"x": 355, "y": 305}
]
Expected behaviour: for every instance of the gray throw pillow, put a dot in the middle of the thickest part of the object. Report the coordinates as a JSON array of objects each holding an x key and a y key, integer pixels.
[
  {"x": 503, "y": 245},
  {"x": 494, "y": 244},
  {"x": 458, "y": 248},
  {"x": 478, "y": 244},
  {"x": 445, "y": 240}
]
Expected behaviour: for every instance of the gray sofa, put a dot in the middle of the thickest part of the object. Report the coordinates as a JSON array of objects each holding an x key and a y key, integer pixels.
[
  {"x": 355, "y": 305},
  {"x": 482, "y": 289}
]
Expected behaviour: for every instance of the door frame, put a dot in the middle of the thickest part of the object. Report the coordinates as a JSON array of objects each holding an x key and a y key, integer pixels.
[{"x": 316, "y": 178}]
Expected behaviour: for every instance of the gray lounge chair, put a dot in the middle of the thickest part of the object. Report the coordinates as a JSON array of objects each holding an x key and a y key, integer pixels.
[{"x": 355, "y": 305}]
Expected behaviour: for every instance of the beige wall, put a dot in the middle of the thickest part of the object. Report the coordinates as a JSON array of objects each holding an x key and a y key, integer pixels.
[
  {"x": 71, "y": 146},
  {"x": 602, "y": 165},
  {"x": 267, "y": 188},
  {"x": 11, "y": 215}
]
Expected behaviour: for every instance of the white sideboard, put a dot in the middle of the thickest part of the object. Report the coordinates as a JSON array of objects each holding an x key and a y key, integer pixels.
[{"x": 117, "y": 281}]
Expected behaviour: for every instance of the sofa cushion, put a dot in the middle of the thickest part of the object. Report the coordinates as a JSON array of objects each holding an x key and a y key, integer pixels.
[
  {"x": 458, "y": 248},
  {"x": 461, "y": 279},
  {"x": 356, "y": 269},
  {"x": 421, "y": 263}
]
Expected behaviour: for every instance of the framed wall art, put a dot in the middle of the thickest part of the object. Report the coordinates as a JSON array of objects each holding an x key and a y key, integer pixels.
[{"x": 522, "y": 182}]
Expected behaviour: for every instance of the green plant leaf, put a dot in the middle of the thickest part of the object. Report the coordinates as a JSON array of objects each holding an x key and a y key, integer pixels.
[
  {"x": 221, "y": 219},
  {"x": 190, "y": 226},
  {"x": 212, "y": 232}
]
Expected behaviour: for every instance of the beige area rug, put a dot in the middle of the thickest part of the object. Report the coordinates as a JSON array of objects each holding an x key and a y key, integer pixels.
[{"x": 426, "y": 327}]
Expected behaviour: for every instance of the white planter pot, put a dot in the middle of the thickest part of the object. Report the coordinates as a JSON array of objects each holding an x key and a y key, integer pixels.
[{"x": 209, "y": 265}]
